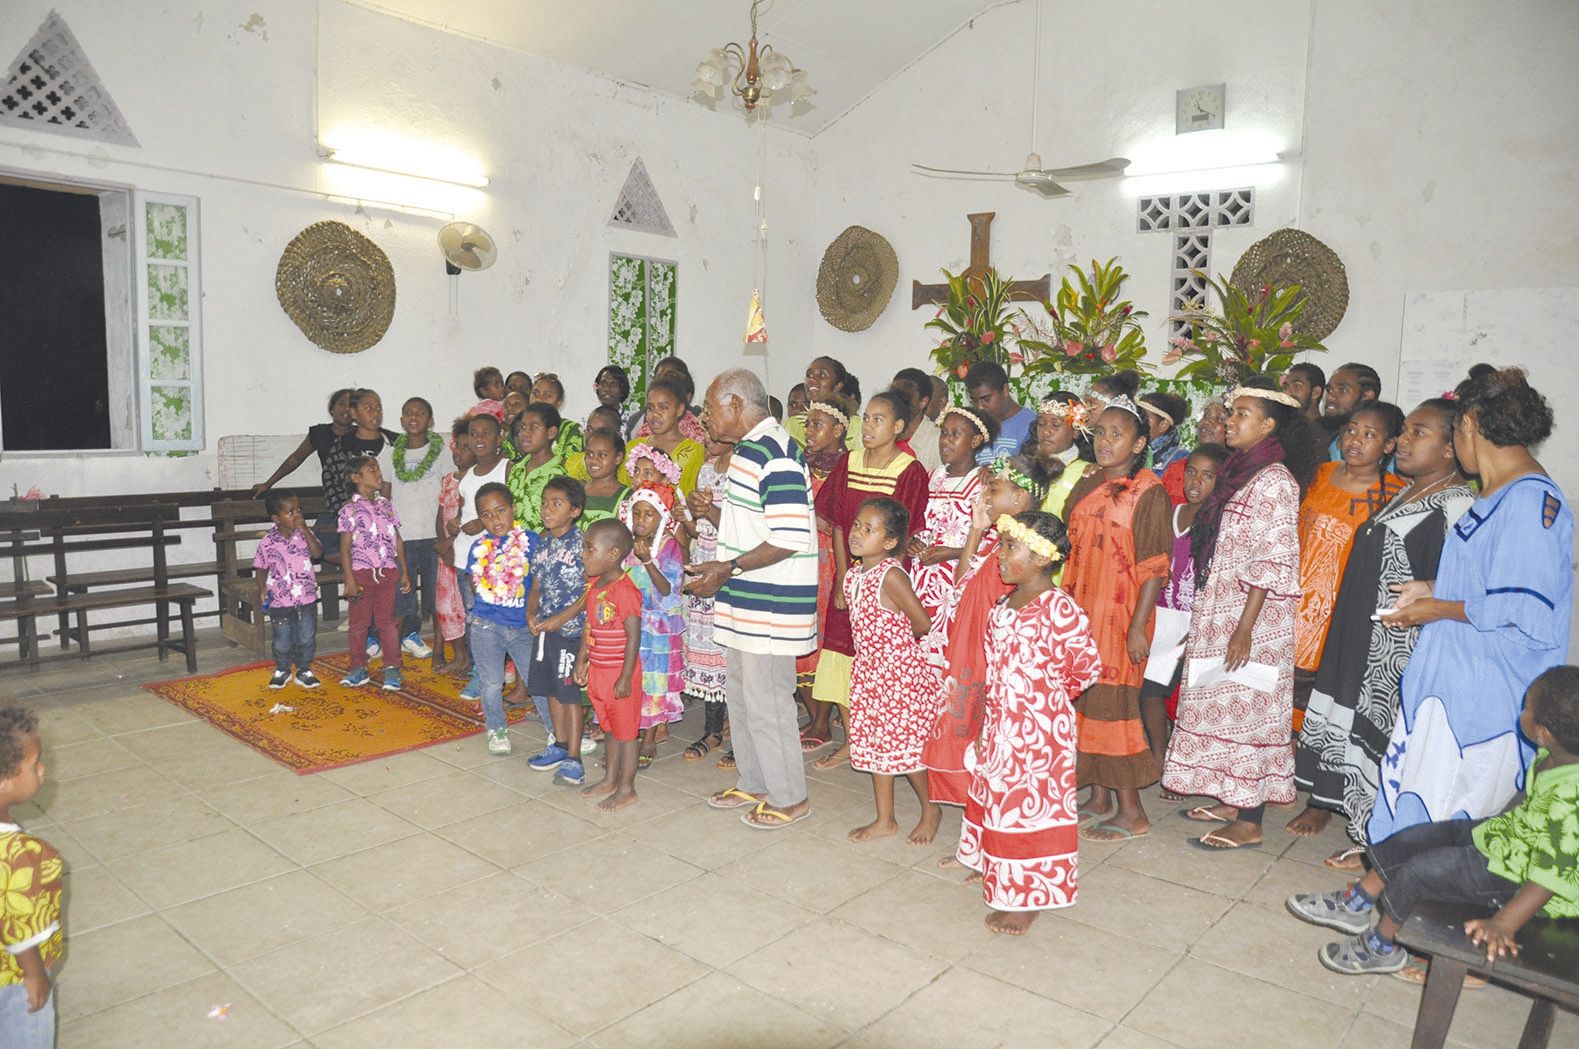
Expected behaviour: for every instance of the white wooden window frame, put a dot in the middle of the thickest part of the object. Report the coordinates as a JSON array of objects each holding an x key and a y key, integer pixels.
[{"x": 146, "y": 382}]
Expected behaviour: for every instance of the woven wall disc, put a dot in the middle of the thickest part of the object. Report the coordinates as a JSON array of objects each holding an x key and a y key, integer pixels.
[
  {"x": 856, "y": 279},
  {"x": 337, "y": 286},
  {"x": 1291, "y": 256}
]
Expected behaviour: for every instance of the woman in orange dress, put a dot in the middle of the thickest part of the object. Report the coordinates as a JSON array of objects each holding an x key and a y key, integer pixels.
[
  {"x": 1341, "y": 498},
  {"x": 1121, "y": 538}
]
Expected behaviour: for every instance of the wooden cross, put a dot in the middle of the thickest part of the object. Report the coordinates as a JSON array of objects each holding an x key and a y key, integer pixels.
[{"x": 980, "y": 251}]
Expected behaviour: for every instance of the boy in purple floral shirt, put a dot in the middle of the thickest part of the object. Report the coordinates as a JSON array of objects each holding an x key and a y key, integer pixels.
[
  {"x": 371, "y": 550},
  {"x": 288, "y": 588}
]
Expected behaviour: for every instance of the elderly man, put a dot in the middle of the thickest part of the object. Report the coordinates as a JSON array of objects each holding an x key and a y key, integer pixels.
[{"x": 765, "y": 613}]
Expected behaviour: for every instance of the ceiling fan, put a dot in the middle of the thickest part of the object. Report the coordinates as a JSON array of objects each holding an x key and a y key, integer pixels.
[{"x": 1046, "y": 181}]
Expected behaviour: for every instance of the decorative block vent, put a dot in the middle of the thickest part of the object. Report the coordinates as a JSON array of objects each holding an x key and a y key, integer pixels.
[
  {"x": 638, "y": 207},
  {"x": 1191, "y": 218},
  {"x": 51, "y": 86}
]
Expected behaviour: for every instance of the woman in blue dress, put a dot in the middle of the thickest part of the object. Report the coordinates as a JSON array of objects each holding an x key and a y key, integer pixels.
[{"x": 1493, "y": 620}]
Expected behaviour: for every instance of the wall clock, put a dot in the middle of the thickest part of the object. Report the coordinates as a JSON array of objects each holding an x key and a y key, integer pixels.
[{"x": 1199, "y": 108}]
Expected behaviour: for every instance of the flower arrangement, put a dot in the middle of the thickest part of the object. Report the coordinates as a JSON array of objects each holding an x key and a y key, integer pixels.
[
  {"x": 1092, "y": 330},
  {"x": 1248, "y": 335},
  {"x": 976, "y": 322}
]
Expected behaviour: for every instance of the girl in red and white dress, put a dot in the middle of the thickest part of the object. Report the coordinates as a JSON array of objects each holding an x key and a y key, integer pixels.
[
  {"x": 893, "y": 692},
  {"x": 1021, "y": 826},
  {"x": 951, "y": 492}
]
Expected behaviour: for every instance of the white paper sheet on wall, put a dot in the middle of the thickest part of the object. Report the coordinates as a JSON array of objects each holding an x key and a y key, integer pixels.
[{"x": 1422, "y": 380}]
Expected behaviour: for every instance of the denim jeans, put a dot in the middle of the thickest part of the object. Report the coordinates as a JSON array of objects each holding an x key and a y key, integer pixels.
[
  {"x": 422, "y": 564},
  {"x": 1436, "y": 861},
  {"x": 295, "y": 636},
  {"x": 490, "y": 643},
  {"x": 20, "y": 1029}
]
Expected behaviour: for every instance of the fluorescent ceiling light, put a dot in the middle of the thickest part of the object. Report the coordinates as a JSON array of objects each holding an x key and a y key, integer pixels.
[
  {"x": 375, "y": 161},
  {"x": 1204, "y": 151}
]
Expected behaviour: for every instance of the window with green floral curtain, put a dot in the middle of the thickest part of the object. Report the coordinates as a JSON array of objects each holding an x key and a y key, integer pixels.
[
  {"x": 170, "y": 337},
  {"x": 641, "y": 315}
]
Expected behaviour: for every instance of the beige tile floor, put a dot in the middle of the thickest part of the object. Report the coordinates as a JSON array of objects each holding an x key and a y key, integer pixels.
[{"x": 446, "y": 898}]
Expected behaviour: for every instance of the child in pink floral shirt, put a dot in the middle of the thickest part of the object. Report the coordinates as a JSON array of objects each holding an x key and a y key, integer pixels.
[
  {"x": 371, "y": 550},
  {"x": 288, "y": 588}
]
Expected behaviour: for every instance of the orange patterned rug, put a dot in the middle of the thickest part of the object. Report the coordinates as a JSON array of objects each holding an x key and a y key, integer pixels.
[{"x": 333, "y": 726}]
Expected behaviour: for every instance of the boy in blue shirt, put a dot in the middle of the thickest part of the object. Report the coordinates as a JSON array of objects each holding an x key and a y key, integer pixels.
[
  {"x": 500, "y": 568},
  {"x": 554, "y": 614}
]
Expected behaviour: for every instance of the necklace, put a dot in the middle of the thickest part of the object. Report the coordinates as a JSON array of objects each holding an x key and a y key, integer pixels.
[{"x": 435, "y": 445}]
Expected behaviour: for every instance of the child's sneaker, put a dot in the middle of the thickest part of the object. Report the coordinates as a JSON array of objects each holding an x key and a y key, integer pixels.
[
  {"x": 307, "y": 679},
  {"x": 1331, "y": 909},
  {"x": 355, "y": 678},
  {"x": 412, "y": 646},
  {"x": 570, "y": 774},
  {"x": 391, "y": 679},
  {"x": 550, "y": 759},
  {"x": 473, "y": 689},
  {"x": 280, "y": 679},
  {"x": 498, "y": 741},
  {"x": 374, "y": 650},
  {"x": 1363, "y": 954},
  {"x": 588, "y": 744}
]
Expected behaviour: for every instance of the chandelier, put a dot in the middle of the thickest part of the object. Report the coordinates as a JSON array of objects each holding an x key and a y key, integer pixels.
[{"x": 757, "y": 75}]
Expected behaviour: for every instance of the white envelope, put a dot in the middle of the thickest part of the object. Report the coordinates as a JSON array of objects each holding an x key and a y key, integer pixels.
[{"x": 1204, "y": 673}]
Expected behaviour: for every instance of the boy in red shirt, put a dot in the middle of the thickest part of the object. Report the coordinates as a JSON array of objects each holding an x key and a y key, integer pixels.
[{"x": 609, "y": 664}]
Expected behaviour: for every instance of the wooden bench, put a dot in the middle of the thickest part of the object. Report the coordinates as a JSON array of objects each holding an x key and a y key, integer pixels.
[
  {"x": 240, "y": 521},
  {"x": 63, "y": 532},
  {"x": 1545, "y": 969}
]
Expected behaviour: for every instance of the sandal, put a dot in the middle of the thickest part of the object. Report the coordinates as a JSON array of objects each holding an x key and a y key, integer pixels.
[
  {"x": 1212, "y": 841},
  {"x": 733, "y": 798},
  {"x": 727, "y": 761},
  {"x": 644, "y": 760},
  {"x": 812, "y": 744},
  {"x": 698, "y": 750},
  {"x": 1203, "y": 814},
  {"x": 1120, "y": 832},
  {"x": 766, "y": 817},
  {"x": 1347, "y": 860}
]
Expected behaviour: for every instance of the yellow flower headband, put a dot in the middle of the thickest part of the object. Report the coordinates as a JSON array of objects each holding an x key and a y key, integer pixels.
[
  {"x": 1078, "y": 413},
  {"x": 830, "y": 411},
  {"x": 968, "y": 417},
  {"x": 1036, "y": 542},
  {"x": 1266, "y": 395}
]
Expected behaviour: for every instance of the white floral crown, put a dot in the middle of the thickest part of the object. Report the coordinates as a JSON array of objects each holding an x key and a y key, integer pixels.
[{"x": 666, "y": 466}]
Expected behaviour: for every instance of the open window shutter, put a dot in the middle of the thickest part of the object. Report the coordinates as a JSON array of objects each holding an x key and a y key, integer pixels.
[
  {"x": 169, "y": 328},
  {"x": 642, "y": 308}
]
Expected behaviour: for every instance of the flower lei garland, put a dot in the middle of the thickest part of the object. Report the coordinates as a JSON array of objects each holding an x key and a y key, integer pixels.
[
  {"x": 503, "y": 568},
  {"x": 1001, "y": 468},
  {"x": 1029, "y": 537},
  {"x": 402, "y": 443},
  {"x": 667, "y": 467}
]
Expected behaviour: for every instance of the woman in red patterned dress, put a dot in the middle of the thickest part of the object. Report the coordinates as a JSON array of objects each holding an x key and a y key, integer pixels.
[
  {"x": 1020, "y": 827},
  {"x": 893, "y": 692},
  {"x": 825, "y": 425}
]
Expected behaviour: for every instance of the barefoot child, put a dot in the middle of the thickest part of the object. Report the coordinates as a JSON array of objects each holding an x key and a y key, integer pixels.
[
  {"x": 955, "y": 647},
  {"x": 288, "y": 588},
  {"x": 499, "y": 565},
  {"x": 448, "y": 606},
  {"x": 893, "y": 693},
  {"x": 655, "y": 565},
  {"x": 1120, "y": 542},
  {"x": 554, "y": 615},
  {"x": 30, "y": 932},
  {"x": 372, "y": 551},
  {"x": 1173, "y": 605},
  {"x": 1020, "y": 826},
  {"x": 609, "y": 664},
  {"x": 1523, "y": 862}
]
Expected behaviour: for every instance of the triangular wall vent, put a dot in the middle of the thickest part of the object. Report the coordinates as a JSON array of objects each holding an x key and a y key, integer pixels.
[
  {"x": 639, "y": 207},
  {"x": 51, "y": 86}
]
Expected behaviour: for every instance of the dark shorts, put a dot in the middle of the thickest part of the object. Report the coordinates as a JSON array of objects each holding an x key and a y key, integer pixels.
[{"x": 551, "y": 673}]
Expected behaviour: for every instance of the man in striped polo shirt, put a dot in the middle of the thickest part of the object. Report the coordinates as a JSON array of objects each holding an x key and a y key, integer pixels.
[{"x": 765, "y": 612}]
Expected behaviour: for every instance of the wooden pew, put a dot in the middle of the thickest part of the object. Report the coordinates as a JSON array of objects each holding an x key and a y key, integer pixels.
[{"x": 245, "y": 521}]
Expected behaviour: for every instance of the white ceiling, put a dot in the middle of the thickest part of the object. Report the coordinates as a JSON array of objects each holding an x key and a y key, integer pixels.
[{"x": 847, "y": 47}]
